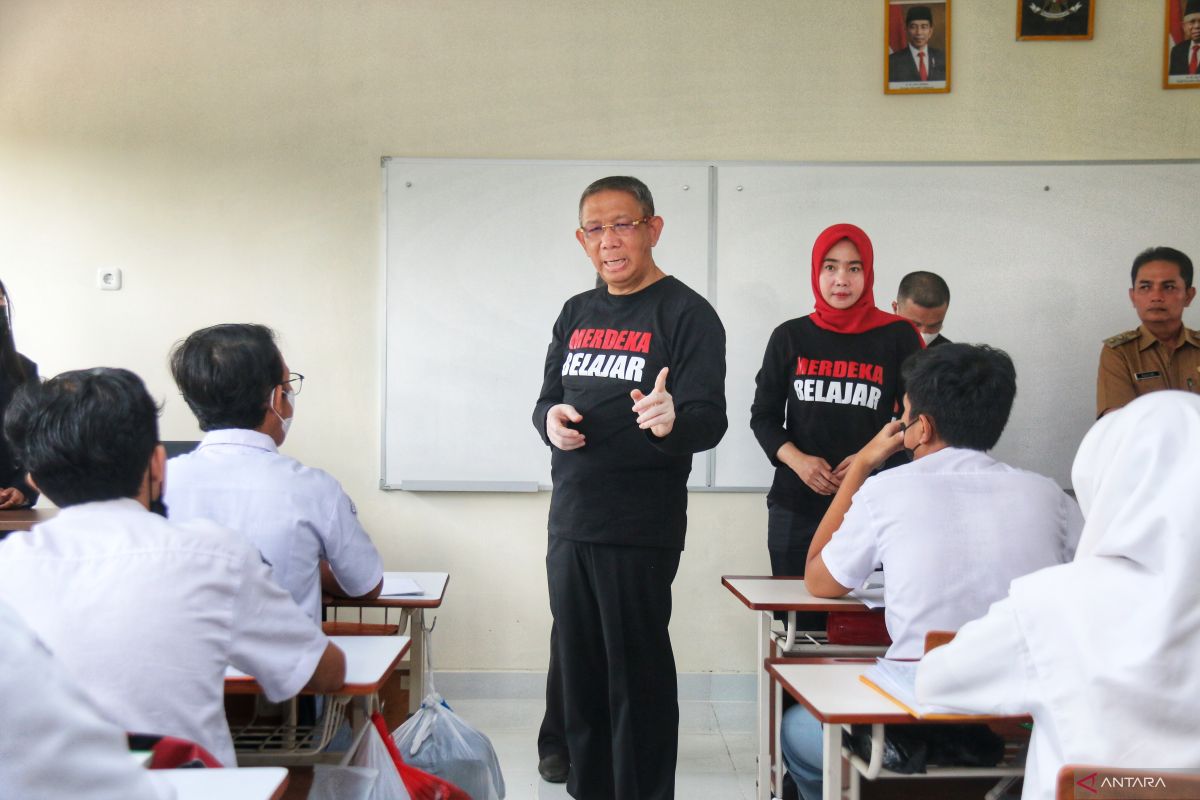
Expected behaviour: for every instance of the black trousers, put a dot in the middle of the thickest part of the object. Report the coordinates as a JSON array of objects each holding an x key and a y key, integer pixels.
[
  {"x": 611, "y": 606},
  {"x": 552, "y": 737}
]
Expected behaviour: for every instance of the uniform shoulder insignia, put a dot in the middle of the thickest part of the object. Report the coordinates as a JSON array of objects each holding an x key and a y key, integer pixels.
[{"x": 1121, "y": 338}]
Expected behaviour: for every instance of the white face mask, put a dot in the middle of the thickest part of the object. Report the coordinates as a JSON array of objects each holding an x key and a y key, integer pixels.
[
  {"x": 286, "y": 423},
  {"x": 929, "y": 337}
]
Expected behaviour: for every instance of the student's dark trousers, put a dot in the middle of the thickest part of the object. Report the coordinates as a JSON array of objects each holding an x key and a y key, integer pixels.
[{"x": 611, "y": 606}]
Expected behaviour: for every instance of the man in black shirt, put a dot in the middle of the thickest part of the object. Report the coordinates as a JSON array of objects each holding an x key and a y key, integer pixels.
[{"x": 634, "y": 386}]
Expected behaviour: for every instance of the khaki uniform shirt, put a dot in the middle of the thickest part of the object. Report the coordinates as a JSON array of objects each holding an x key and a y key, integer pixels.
[{"x": 1135, "y": 363}]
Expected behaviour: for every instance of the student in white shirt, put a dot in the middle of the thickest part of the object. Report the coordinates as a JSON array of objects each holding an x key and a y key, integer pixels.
[
  {"x": 1104, "y": 652},
  {"x": 54, "y": 742},
  {"x": 237, "y": 383},
  {"x": 952, "y": 528},
  {"x": 145, "y": 614}
]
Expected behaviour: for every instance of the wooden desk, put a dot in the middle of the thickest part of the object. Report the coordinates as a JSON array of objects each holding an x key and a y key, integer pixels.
[
  {"x": 412, "y": 619},
  {"x": 22, "y": 519},
  {"x": 369, "y": 662},
  {"x": 245, "y": 783},
  {"x": 767, "y": 595},
  {"x": 831, "y": 691}
]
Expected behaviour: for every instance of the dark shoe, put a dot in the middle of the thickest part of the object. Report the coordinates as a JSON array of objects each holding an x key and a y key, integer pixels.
[{"x": 554, "y": 768}]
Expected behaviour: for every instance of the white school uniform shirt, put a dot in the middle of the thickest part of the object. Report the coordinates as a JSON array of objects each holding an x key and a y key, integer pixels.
[
  {"x": 952, "y": 530},
  {"x": 1102, "y": 652},
  {"x": 145, "y": 615},
  {"x": 295, "y": 515},
  {"x": 54, "y": 742}
]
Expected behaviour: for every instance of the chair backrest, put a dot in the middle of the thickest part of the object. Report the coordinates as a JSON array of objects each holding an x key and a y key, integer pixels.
[
  {"x": 1078, "y": 781},
  {"x": 937, "y": 639}
]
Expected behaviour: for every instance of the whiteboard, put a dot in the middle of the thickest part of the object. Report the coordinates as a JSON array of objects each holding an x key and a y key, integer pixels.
[
  {"x": 479, "y": 258},
  {"x": 1037, "y": 257}
]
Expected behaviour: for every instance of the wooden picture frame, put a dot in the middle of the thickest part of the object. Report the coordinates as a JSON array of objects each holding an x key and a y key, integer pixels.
[
  {"x": 1055, "y": 20},
  {"x": 929, "y": 21},
  {"x": 1181, "y": 28}
]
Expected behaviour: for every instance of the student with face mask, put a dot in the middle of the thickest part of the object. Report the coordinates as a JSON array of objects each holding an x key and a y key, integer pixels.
[
  {"x": 829, "y": 381},
  {"x": 1101, "y": 651},
  {"x": 143, "y": 613},
  {"x": 952, "y": 528},
  {"x": 15, "y": 369},
  {"x": 237, "y": 383}
]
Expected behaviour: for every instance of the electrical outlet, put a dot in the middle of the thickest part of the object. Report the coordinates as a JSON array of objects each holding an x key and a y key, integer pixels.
[{"x": 108, "y": 279}]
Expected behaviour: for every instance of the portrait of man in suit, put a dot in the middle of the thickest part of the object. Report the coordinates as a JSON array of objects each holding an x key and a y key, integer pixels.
[
  {"x": 1185, "y": 55},
  {"x": 913, "y": 57}
]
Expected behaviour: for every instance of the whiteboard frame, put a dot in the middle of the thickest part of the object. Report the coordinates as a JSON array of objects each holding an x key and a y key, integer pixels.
[{"x": 519, "y": 485}]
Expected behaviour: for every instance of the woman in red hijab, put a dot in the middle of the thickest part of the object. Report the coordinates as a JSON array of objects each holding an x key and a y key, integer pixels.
[{"x": 829, "y": 381}]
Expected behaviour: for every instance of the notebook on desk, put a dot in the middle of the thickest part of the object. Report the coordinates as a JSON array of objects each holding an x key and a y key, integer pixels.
[
  {"x": 399, "y": 586},
  {"x": 897, "y": 681}
]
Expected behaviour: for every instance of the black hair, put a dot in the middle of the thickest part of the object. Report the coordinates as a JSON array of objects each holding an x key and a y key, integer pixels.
[
  {"x": 967, "y": 389},
  {"x": 1170, "y": 254},
  {"x": 917, "y": 13},
  {"x": 10, "y": 360},
  {"x": 926, "y": 289},
  {"x": 227, "y": 373},
  {"x": 85, "y": 435},
  {"x": 621, "y": 183}
]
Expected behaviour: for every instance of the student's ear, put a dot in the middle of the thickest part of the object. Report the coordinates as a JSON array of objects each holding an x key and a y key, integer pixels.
[
  {"x": 895, "y": 307},
  {"x": 274, "y": 405},
  {"x": 928, "y": 431},
  {"x": 158, "y": 466}
]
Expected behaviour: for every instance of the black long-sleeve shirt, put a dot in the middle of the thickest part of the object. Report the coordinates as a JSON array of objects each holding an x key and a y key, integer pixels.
[
  {"x": 827, "y": 393},
  {"x": 625, "y": 485}
]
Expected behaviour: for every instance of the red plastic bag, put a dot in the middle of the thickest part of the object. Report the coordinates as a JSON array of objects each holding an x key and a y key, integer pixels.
[
  {"x": 420, "y": 785},
  {"x": 169, "y": 752}
]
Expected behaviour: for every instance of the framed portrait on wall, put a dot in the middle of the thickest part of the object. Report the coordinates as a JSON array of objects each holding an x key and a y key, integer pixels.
[
  {"x": 1052, "y": 19},
  {"x": 917, "y": 47},
  {"x": 1181, "y": 49}
]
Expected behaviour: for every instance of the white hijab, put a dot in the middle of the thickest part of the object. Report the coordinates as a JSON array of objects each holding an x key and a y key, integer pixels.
[{"x": 1115, "y": 635}]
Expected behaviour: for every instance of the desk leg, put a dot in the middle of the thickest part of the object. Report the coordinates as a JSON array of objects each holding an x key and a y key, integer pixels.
[
  {"x": 831, "y": 766},
  {"x": 416, "y": 659},
  {"x": 764, "y": 707}
]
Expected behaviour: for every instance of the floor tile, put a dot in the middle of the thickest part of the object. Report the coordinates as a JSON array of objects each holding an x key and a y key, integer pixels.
[{"x": 712, "y": 763}]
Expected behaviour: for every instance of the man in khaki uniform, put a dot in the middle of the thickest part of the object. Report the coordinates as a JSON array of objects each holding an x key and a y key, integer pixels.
[{"x": 1160, "y": 353}]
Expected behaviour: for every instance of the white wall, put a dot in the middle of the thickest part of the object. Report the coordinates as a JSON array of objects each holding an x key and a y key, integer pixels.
[{"x": 226, "y": 155}]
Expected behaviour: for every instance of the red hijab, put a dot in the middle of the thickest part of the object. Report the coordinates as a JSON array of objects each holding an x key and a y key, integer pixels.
[{"x": 863, "y": 315}]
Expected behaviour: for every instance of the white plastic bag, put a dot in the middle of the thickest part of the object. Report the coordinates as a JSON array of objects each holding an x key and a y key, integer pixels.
[
  {"x": 438, "y": 741},
  {"x": 342, "y": 783},
  {"x": 373, "y": 753}
]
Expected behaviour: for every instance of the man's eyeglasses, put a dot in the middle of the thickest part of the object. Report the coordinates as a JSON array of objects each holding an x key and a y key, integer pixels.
[
  {"x": 293, "y": 384},
  {"x": 595, "y": 233}
]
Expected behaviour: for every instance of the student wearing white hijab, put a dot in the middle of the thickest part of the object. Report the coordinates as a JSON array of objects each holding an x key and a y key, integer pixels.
[{"x": 1103, "y": 652}]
